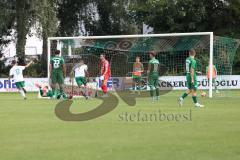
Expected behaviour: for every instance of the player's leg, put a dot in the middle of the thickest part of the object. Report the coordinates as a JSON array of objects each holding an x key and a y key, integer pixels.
[
  {"x": 54, "y": 85},
  {"x": 134, "y": 83},
  {"x": 84, "y": 81},
  {"x": 215, "y": 85},
  {"x": 81, "y": 82},
  {"x": 60, "y": 81},
  {"x": 194, "y": 94},
  {"x": 187, "y": 92},
  {"x": 138, "y": 84},
  {"x": 104, "y": 86},
  {"x": 20, "y": 86},
  {"x": 156, "y": 85},
  {"x": 151, "y": 85}
]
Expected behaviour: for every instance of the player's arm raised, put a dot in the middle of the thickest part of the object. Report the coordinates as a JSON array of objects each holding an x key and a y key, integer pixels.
[{"x": 29, "y": 64}]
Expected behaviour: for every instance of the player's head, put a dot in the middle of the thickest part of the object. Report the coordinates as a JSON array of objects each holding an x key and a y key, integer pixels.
[
  {"x": 137, "y": 59},
  {"x": 102, "y": 57},
  {"x": 81, "y": 61},
  {"x": 152, "y": 54},
  {"x": 14, "y": 62},
  {"x": 192, "y": 52},
  {"x": 57, "y": 52}
]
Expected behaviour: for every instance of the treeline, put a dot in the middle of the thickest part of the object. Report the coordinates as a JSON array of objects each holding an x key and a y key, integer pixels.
[{"x": 113, "y": 17}]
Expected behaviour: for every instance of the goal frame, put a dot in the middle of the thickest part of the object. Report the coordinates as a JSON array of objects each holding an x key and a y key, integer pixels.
[{"x": 210, "y": 34}]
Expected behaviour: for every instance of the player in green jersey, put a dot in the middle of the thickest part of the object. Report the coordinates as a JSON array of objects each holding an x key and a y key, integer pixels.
[
  {"x": 58, "y": 73},
  {"x": 191, "y": 76},
  {"x": 153, "y": 75}
]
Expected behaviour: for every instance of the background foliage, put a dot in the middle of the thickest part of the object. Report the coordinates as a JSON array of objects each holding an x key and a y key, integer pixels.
[{"x": 113, "y": 17}]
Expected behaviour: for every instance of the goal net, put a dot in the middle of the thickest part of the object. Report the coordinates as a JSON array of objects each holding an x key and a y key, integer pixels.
[{"x": 172, "y": 51}]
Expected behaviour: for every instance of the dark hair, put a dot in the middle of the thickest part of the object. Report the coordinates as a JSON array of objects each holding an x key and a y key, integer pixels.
[
  {"x": 153, "y": 53},
  {"x": 57, "y": 52},
  {"x": 81, "y": 60},
  {"x": 192, "y": 51},
  {"x": 14, "y": 62}
]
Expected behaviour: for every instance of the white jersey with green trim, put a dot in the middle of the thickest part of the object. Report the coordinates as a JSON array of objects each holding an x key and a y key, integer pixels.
[
  {"x": 80, "y": 70},
  {"x": 17, "y": 73}
]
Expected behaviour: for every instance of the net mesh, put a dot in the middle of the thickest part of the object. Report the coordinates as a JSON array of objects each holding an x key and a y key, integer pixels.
[{"x": 171, "y": 53}]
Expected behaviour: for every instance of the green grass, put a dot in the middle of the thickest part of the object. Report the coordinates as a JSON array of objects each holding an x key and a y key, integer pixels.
[{"x": 29, "y": 130}]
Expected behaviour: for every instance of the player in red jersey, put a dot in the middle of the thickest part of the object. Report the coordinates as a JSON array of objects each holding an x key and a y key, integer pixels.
[{"x": 105, "y": 73}]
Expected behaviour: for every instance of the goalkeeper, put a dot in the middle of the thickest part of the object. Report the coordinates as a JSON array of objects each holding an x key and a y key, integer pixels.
[
  {"x": 153, "y": 76},
  {"x": 137, "y": 74},
  {"x": 191, "y": 76},
  {"x": 214, "y": 76},
  {"x": 80, "y": 73}
]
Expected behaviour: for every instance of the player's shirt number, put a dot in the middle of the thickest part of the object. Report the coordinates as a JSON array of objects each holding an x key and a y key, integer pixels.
[
  {"x": 17, "y": 71},
  {"x": 56, "y": 63},
  {"x": 155, "y": 67}
]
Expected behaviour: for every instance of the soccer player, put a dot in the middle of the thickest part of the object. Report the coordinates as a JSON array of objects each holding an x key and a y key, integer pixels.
[
  {"x": 80, "y": 73},
  {"x": 137, "y": 74},
  {"x": 153, "y": 76},
  {"x": 44, "y": 90},
  {"x": 105, "y": 74},
  {"x": 191, "y": 76},
  {"x": 16, "y": 72},
  {"x": 57, "y": 70},
  {"x": 214, "y": 76}
]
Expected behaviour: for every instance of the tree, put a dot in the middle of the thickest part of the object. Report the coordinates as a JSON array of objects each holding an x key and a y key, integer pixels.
[
  {"x": 24, "y": 21},
  {"x": 189, "y": 15},
  {"x": 45, "y": 19},
  {"x": 7, "y": 18},
  {"x": 92, "y": 17}
]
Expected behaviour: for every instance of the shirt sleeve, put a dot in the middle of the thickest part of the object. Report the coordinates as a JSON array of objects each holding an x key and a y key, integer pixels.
[
  {"x": 194, "y": 65},
  {"x": 86, "y": 68},
  {"x": 11, "y": 72},
  {"x": 62, "y": 61},
  {"x": 22, "y": 67}
]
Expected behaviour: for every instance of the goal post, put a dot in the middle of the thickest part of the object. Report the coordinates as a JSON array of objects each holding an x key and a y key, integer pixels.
[{"x": 172, "y": 49}]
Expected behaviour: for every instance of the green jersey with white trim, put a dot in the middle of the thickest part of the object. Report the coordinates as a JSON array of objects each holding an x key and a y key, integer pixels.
[
  {"x": 154, "y": 66},
  {"x": 191, "y": 63},
  {"x": 57, "y": 64}
]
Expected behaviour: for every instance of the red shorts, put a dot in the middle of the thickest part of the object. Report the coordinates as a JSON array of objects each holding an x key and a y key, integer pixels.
[{"x": 106, "y": 78}]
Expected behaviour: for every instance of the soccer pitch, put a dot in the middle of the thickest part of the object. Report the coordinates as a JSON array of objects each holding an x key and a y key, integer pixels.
[{"x": 30, "y": 130}]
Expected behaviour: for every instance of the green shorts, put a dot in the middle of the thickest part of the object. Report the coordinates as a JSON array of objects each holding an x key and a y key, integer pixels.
[
  {"x": 81, "y": 81},
  {"x": 20, "y": 84},
  {"x": 190, "y": 85},
  {"x": 57, "y": 78},
  {"x": 153, "y": 80},
  {"x": 137, "y": 79}
]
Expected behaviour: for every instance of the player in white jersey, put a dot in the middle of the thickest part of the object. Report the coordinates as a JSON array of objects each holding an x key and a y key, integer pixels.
[
  {"x": 16, "y": 72},
  {"x": 80, "y": 72}
]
